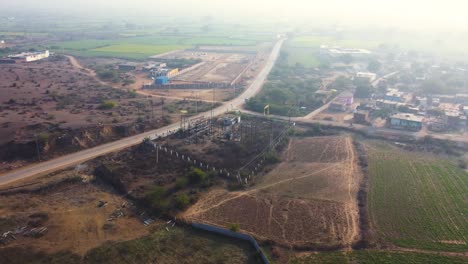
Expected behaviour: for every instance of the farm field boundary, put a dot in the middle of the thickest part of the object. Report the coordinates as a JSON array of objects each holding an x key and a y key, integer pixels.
[{"x": 229, "y": 233}]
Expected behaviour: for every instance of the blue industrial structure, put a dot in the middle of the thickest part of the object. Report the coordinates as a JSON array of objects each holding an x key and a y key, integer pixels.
[{"x": 162, "y": 80}]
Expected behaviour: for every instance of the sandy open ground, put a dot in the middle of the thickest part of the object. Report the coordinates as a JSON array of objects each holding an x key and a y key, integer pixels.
[{"x": 307, "y": 201}]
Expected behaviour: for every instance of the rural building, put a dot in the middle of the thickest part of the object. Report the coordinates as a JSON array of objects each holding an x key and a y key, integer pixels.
[
  {"x": 437, "y": 124},
  {"x": 153, "y": 67},
  {"x": 342, "y": 102},
  {"x": 387, "y": 104},
  {"x": 231, "y": 120},
  {"x": 346, "y": 97},
  {"x": 361, "y": 117},
  {"x": 452, "y": 118},
  {"x": 161, "y": 80},
  {"x": 444, "y": 99},
  {"x": 465, "y": 110},
  {"x": 166, "y": 72},
  {"x": 463, "y": 121},
  {"x": 338, "y": 51},
  {"x": 338, "y": 106},
  {"x": 30, "y": 56},
  {"x": 172, "y": 73},
  {"x": 406, "y": 121},
  {"x": 421, "y": 101},
  {"x": 127, "y": 67},
  {"x": 366, "y": 76},
  {"x": 394, "y": 95},
  {"x": 461, "y": 98}
]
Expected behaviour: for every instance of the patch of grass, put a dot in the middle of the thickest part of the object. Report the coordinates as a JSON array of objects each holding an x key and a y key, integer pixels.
[
  {"x": 306, "y": 57},
  {"x": 137, "y": 50},
  {"x": 418, "y": 201},
  {"x": 176, "y": 246}
]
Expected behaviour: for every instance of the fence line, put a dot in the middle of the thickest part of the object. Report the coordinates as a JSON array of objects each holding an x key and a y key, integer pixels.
[{"x": 229, "y": 233}]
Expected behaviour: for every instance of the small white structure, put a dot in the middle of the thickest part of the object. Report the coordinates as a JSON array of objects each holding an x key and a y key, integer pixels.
[
  {"x": 366, "y": 75},
  {"x": 30, "y": 56},
  {"x": 338, "y": 51}
]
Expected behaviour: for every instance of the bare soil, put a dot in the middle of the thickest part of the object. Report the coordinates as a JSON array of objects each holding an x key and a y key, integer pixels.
[
  {"x": 74, "y": 221},
  {"x": 307, "y": 201}
]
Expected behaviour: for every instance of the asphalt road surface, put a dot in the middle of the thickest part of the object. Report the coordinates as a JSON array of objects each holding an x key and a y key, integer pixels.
[{"x": 88, "y": 154}]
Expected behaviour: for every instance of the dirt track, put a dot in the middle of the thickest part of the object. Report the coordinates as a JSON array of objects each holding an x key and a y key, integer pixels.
[{"x": 308, "y": 201}]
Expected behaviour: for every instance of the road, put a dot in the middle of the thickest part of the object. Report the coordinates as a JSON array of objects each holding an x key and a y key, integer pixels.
[
  {"x": 88, "y": 154},
  {"x": 376, "y": 82},
  {"x": 368, "y": 130}
]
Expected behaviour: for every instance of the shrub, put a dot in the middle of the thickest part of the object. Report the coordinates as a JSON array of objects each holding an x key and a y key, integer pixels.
[
  {"x": 181, "y": 183},
  {"x": 156, "y": 199},
  {"x": 107, "y": 105},
  {"x": 196, "y": 175},
  {"x": 271, "y": 158},
  {"x": 234, "y": 227},
  {"x": 43, "y": 137},
  {"x": 182, "y": 201}
]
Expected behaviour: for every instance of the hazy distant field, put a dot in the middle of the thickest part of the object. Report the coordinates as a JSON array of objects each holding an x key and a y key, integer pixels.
[
  {"x": 302, "y": 55},
  {"x": 417, "y": 200},
  {"x": 142, "y": 47},
  {"x": 449, "y": 46},
  {"x": 135, "y": 50}
]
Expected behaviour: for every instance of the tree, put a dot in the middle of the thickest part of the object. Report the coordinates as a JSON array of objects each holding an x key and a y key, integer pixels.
[
  {"x": 374, "y": 66},
  {"x": 106, "y": 105},
  {"x": 196, "y": 175},
  {"x": 363, "y": 91},
  {"x": 278, "y": 95},
  {"x": 182, "y": 201}
]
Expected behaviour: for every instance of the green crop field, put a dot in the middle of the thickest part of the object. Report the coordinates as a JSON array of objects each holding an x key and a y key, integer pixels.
[
  {"x": 136, "y": 51},
  {"x": 141, "y": 47},
  {"x": 304, "y": 56},
  {"x": 372, "y": 257},
  {"x": 417, "y": 200}
]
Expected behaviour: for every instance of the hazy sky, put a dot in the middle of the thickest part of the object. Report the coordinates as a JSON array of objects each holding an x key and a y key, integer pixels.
[{"x": 408, "y": 13}]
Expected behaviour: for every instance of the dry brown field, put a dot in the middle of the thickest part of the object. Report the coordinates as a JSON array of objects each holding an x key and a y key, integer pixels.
[{"x": 308, "y": 201}]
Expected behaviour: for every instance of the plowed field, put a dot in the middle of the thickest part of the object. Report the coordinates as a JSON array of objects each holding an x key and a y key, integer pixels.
[{"x": 307, "y": 201}]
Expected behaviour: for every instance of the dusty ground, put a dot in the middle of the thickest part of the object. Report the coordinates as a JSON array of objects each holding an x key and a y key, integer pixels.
[
  {"x": 338, "y": 116},
  {"x": 195, "y": 94},
  {"x": 56, "y": 93},
  {"x": 75, "y": 222},
  {"x": 308, "y": 201}
]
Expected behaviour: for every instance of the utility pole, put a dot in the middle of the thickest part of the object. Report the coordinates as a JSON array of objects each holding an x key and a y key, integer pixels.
[{"x": 157, "y": 154}]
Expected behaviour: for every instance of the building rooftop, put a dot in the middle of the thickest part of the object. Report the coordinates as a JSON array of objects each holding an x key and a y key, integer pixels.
[
  {"x": 409, "y": 117},
  {"x": 25, "y": 54}
]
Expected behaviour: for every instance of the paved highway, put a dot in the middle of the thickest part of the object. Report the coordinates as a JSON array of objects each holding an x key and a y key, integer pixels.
[{"x": 88, "y": 154}]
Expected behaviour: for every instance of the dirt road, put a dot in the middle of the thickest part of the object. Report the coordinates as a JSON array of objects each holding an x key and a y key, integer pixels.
[{"x": 85, "y": 155}]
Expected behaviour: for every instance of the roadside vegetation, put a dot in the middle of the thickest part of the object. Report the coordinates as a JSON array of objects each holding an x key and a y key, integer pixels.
[{"x": 290, "y": 90}]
